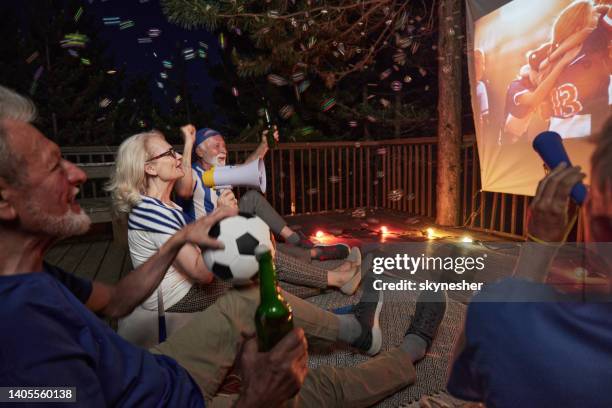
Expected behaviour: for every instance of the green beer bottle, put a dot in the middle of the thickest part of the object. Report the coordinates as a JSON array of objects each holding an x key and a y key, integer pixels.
[{"x": 273, "y": 318}]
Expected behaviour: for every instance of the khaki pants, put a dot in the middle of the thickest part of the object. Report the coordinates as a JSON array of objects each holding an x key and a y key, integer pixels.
[{"x": 207, "y": 348}]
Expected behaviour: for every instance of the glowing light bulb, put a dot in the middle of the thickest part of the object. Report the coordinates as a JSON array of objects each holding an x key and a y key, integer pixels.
[
  {"x": 384, "y": 229},
  {"x": 466, "y": 238},
  {"x": 319, "y": 234},
  {"x": 430, "y": 233}
]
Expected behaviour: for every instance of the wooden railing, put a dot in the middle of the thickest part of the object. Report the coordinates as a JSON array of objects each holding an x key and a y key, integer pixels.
[{"x": 398, "y": 174}]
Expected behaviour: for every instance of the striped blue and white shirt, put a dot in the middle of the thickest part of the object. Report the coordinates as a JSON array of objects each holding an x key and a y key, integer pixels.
[
  {"x": 154, "y": 216},
  {"x": 204, "y": 199}
]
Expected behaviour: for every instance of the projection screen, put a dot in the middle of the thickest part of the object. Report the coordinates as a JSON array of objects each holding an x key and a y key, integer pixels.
[{"x": 536, "y": 65}]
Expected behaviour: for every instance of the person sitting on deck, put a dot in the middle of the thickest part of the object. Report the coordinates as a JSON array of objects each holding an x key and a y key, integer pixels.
[
  {"x": 145, "y": 172},
  {"x": 49, "y": 336},
  {"x": 207, "y": 147},
  {"x": 549, "y": 349}
]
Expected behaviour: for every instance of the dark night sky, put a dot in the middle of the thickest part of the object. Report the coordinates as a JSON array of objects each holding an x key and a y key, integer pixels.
[{"x": 140, "y": 58}]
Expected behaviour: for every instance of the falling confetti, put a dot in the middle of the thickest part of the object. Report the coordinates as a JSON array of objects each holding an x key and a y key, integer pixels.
[
  {"x": 73, "y": 53},
  {"x": 111, "y": 72},
  {"x": 85, "y": 61},
  {"x": 105, "y": 102},
  {"x": 328, "y": 104},
  {"x": 395, "y": 195},
  {"x": 145, "y": 40},
  {"x": 203, "y": 45},
  {"x": 385, "y": 74},
  {"x": 235, "y": 91},
  {"x": 334, "y": 179},
  {"x": 407, "y": 79},
  {"x": 78, "y": 14},
  {"x": 177, "y": 99},
  {"x": 167, "y": 64},
  {"x": 385, "y": 103},
  {"x": 126, "y": 24},
  {"x": 163, "y": 75},
  {"x": 277, "y": 80},
  {"x": 308, "y": 130},
  {"x": 422, "y": 71},
  {"x": 160, "y": 85},
  {"x": 353, "y": 123},
  {"x": 371, "y": 118},
  {"x": 74, "y": 40},
  {"x": 312, "y": 191},
  {"x": 32, "y": 57},
  {"x": 286, "y": 111},
  {"x": 111, "y": 20},
  {"x": 222, "y": 41},
  {"x": 298, "y": 76},
  {"x": 201, "y": 53},
  {"x": 381, "y": 151},
  {"x": 396, "y": 86},
  {"x": 154, "y": 32}
]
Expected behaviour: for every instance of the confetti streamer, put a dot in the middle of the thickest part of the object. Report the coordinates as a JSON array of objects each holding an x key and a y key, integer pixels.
[
  {"x": 286, "y": 111},
  {"x": 277, "y": 80},
  {"x": 396, "y": 86},
  {"x": 154, "y": 32},
  {"x": 32, "y": 57},
  {"x": 328, "y": 104},
  {"x": 74, "y": 40},
  {"x": 111, "y": 20},
  {"x": 78, "y": 14},
  {"x": 395, "y": 195},
  {"x": 126, "y": 24},
  {"x": 385, "y": 74}
]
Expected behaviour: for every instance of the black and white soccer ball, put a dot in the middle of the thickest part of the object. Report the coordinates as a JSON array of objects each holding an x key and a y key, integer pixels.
[{"x": 240, "y": 234}]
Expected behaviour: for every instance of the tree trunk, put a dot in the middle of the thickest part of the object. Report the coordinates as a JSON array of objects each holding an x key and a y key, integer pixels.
[{"x": 449, "y": 113}]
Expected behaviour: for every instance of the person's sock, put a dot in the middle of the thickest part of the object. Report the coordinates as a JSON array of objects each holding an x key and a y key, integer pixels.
[
  {"x": 293, "y": 239},
  {"x": 349, "y": 328},
  {"x": 415, "y": 346}
]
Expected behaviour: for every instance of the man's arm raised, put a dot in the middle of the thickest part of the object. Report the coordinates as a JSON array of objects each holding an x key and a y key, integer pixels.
[
  {"x": 184, "y": 186},
  {"x": 119, "y": 300}
]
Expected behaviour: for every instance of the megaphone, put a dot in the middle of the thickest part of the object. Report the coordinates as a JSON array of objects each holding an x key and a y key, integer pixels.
[
  {"x": 252, "y": 174},
  {"x": 550, "y": 148}
]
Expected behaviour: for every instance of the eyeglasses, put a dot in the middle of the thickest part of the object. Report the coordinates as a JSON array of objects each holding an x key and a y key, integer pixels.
[{"x": 169, "y": 152}]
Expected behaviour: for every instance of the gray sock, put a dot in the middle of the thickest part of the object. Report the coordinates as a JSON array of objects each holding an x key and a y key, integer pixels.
[
  {"x": 293, "y": 239},
  {"x": 415, "y": 346},
  {"x": 349, "y": 328}
]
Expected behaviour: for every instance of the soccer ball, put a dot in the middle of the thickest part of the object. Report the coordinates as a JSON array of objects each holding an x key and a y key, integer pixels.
[{"x": 240, "y": 234}]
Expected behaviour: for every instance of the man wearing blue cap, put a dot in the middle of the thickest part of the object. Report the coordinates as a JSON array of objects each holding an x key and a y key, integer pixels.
[{"x": 207, "y": 147}]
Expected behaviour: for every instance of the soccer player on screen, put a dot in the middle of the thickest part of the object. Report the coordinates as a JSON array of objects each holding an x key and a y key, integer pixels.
[{"x": 580, "y": 99}]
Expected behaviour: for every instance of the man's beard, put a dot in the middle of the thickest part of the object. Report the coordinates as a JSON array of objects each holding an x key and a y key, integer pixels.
[
  {"x": 215, "y": 161},
  {"x": 59, "y": 226}
]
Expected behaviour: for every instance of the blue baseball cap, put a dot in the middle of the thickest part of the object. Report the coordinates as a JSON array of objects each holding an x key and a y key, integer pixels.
[{"x": 202, "y": 135}]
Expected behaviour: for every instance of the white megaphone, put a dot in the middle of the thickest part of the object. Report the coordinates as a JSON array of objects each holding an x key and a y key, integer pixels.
[{"x": 252, "y": 174}]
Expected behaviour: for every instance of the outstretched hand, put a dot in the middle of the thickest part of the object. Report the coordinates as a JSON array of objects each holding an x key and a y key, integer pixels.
[
  {"x": 272, "y": 378},
  {"x": 548, "y": 218}
]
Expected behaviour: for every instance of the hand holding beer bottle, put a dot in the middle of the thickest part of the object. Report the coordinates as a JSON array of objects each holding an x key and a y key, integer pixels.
[{"x": 273, "y": 317}]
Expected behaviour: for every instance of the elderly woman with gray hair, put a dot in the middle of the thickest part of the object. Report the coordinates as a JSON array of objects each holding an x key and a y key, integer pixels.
[{"x": 147, "y": 167}]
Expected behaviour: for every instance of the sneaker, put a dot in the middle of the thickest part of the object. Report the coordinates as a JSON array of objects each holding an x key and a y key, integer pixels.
[
  {"x": 367, "y": 313},
  {"x": 330, "y": 252},
  {"x": 429, "y": 313},
  {"x": 305, "y": 242}
]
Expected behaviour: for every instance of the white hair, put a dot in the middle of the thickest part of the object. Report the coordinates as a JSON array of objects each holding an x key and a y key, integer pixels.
[
  {"x": 128, "y": 181},
  {"x": 14, "y": 107}
]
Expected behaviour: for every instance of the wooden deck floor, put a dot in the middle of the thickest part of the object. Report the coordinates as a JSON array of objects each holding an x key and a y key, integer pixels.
[{"x": 97, "y": 257}]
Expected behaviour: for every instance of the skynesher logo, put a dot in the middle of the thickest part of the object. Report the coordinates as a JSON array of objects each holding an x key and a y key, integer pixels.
[{"x": 412, "y": 264}]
